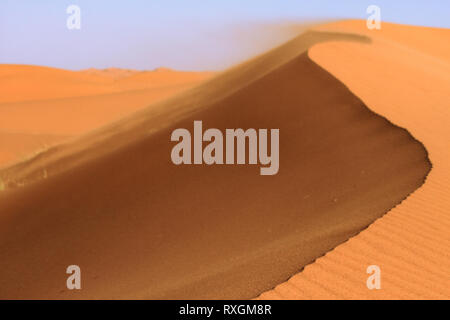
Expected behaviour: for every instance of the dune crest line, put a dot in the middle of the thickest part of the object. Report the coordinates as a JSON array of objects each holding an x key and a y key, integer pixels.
[
  {"x": 411, "y": 242},
  {"x": 139, "y": 227}
]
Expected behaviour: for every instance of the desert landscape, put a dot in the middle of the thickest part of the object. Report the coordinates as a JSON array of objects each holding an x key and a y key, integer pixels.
[
  {"x": 89, "y": 98},
  {"x": 86, "y": 176}
]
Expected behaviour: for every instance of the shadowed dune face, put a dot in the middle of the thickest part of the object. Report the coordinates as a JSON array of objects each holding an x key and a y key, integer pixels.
[
  {"x": 404, "y": 75},
  {"x": 157, "y": 116},
  {"x": 141, "y": 227}
]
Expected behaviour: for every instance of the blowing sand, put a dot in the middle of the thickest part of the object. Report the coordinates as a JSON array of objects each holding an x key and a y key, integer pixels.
[
  {"x": 40, "y": 107},
  {"x": 113, "y": 203},
  {"x": 404, "y": 75}
]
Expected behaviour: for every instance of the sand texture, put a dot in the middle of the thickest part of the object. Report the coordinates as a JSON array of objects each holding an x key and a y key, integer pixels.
[
  {"x": 404, "y": 75},
  {"x": 112, "y": 202},
  {"x": 41, "y": 107}
]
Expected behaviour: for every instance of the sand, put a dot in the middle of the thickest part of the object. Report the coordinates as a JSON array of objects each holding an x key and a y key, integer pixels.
[
  {"x": 20, "y": 83},
  {"x": 111, "y": 201},
  {"x": 404, "y": 75},
  {"x": 40, "y": 107}
]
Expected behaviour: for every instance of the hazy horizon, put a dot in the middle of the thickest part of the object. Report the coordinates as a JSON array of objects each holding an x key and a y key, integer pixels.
[{"x": 191, "y": 35}]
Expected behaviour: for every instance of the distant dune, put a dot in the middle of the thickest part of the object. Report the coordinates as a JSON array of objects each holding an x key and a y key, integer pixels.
[
  {"x": 41, "y": 106},
  {"x": 19, "y": 83},
  {"x": 112, "y": 202},
  {"x": 404, "y": 75},
  {"x": 114, "y": 73}
]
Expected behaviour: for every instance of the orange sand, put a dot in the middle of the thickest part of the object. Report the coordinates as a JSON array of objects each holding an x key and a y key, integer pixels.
[
  {"x": 404, "y": 75},
  {"x": 20, "y": 83},
  {"x": 41, "y": 106},
  {"x": 112, "y": 202}
]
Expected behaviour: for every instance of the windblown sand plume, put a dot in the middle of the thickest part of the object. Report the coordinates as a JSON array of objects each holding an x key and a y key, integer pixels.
[{"x": 112, "y": 202}]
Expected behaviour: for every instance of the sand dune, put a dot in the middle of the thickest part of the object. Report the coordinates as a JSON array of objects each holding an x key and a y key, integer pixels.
[
  {"x": 31, "y": 83},
  {"x": 140, "y": 227},
  {"x": 20, "y": 83},
  {"x": 114, "y": 73},
  {"x": 22, "y": 146},
  {"x": 38, "y": 104},
  {"x": 404, "y": 74}
]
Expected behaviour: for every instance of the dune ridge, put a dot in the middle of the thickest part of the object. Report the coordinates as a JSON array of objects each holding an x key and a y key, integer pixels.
[
  {"x": 140, "y": 227},
  {"x": 161, "y": 113},
  {"x": 406, "y": 79}
]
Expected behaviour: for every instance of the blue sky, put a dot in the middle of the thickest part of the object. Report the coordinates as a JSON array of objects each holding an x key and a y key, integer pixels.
[{"x": 181, "y": 34}]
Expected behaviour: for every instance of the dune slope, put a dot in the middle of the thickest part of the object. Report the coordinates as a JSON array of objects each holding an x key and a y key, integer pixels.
[
  {"x": 39, "y": 106},
  {"x": 19, "y": 83},
  {"x": 141, "y": 227},
  {"x": 403, "y": 75}
]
